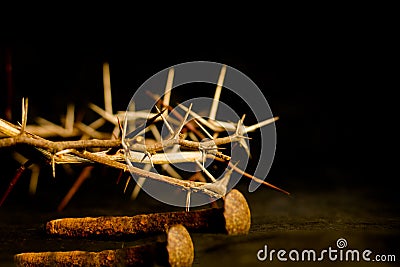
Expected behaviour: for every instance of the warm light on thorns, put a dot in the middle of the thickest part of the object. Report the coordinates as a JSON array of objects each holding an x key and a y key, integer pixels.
[
  {"x": 168, "y": 88},
  {"x": 69, "y": 118},
  {"x": 214, "y": 107},
  {"x": 113, "y": 149},
  {"x": 107, "y": 88}
]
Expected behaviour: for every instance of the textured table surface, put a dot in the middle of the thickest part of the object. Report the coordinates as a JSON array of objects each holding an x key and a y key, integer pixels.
[{"x": 306, "y": 220}]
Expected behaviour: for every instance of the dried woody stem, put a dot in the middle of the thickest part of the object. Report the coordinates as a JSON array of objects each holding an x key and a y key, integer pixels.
[
  {"x": 120, "y": 153},
  {"x": 75, "y": 152},
  {"x": 80, "y": 151}
]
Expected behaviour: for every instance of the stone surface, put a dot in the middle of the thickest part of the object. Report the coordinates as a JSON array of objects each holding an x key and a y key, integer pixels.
[{"x": 307, "y": 219}]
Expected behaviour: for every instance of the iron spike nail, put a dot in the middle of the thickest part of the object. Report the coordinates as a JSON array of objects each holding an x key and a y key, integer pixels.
[
  {"x": 178, "y": 250},
  {"x": 232, "y": 219}
]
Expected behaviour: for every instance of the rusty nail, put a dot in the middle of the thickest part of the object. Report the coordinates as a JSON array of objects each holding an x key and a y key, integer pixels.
[
  {"x": 234, "y": 219},
  {"x": 178, "y": 250}
]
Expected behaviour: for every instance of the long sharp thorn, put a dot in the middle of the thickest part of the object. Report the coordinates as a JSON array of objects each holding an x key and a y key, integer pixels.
[
  {"x": 257, "y": 179},
  {"x": 204, "y": 129},
  {"x": 223, "y": 183},
  {"x": 53, "y": 165},
  {"x": 152, "y": 119},
  {"x": 220, "y": 186},
  {"x": 144, "y": 125},
  {"x": 131, "y": 108},
  {"x": 107, "y": 88},
  {"x": 120, "y": 126},
  {"x": 203, "y": 157},
  {"x": 165, "y": 121},
  {"x": 85, "y": 173},
  {"x": 108, "y": 116},
  {"x": 214, "y": 107},
  {"x": 183, "y": 122},
  {"x": 34, "y": 178},
  {"x": 206, "y": 172},
  {"x": 188, "y": 200},
  {"x": 126, "y": 184},
  {"x": 24, "y": 114},
  {"x": 168, "y": 87},
  {"x": 14, "y": 180},
  {"x": 151, "y": 161},
  {"x": 69, "y": 118},
  {"x": 197, "y": 116},
  {"x": 260, "y": 124},
  {"x": 124, "y": 145},
  {"x": 147, "y": 154},
  {"x": 144, "y": 156},
  {"x": 155, "y": 132},
  {"x": 240, "y": 130},
  {"x": 119, "y": 177},
  {"x": 139, "y": 183}
]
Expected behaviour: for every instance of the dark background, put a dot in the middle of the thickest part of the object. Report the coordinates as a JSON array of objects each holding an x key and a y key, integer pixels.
[
  {"x": 334, "y": 106},
  {"x": 334, "y": 136}
]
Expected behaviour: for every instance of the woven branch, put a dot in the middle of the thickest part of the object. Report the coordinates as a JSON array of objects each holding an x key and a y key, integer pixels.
[{"x": 73, "y": 153}]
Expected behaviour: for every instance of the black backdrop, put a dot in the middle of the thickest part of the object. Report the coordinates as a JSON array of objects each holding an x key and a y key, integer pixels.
[{"x": 334, "y": 130}]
